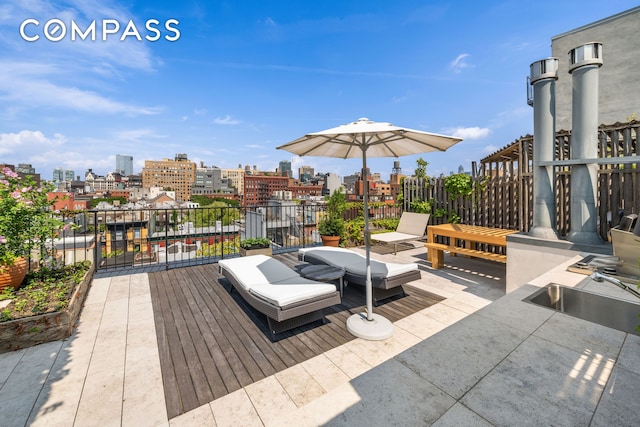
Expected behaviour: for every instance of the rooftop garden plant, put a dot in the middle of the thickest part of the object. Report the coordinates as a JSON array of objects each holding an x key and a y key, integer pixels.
[
  {"x": 333, "y": 223},
  {"x": 44, "y": 291},
  {"x": 26, "y": 222},
  {"x": 255, "y": 243}
]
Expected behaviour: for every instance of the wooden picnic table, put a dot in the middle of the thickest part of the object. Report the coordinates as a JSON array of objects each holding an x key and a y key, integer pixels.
[{"x": 464, "y": 239}]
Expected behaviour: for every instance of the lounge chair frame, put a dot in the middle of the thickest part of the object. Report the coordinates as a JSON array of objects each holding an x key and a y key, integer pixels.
[
  {"x": 412, "y": 226},
  {"x": 382, "y": 287},
  {"x": 281, "y": 319}
]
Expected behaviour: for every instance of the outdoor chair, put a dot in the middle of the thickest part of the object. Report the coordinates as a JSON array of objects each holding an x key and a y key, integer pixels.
[
  {"x": 412, "y": 226},
  {"x": 287, "y": 299},
  {"x": 386, "y": 278}
]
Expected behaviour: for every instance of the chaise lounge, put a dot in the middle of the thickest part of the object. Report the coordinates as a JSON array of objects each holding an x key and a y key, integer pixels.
[
  {"x": 287, "y": 299},
  {"x": 412, "y": 226},
  {"x": 386, "y": 278}
]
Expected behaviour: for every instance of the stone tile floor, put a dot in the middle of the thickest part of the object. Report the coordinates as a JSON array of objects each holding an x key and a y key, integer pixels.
[{"x": 477, "y": 358}]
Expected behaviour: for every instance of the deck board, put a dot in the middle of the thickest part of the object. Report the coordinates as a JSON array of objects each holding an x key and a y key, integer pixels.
[{"x": 211, "y": 342}]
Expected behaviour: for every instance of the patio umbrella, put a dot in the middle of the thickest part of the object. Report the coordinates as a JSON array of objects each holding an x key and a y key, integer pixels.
[{"x": 365, "y": 138}]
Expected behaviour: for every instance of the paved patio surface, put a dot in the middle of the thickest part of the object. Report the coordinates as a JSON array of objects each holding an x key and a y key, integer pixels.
[{"x": 477, "y": 358}]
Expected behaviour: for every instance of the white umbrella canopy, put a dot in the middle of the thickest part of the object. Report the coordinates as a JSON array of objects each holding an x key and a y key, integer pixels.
[
  {"x": 379, "y": 139},
  {"x": 365, "y": 138}
]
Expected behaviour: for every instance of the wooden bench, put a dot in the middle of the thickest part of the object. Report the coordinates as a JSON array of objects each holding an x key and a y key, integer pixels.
[
  {"x": 437, "y": 257},
  {"x": 471, "y": 236}
]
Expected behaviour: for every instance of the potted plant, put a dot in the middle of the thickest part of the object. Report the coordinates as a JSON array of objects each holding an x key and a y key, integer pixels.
[
  {"x": 331, "y": 227},
  {"x": 25, "y": 225},
  {"x": 255, "y": 246}
]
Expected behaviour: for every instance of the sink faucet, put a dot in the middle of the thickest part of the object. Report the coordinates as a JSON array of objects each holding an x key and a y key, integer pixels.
[{"x": 599, "y": 277}]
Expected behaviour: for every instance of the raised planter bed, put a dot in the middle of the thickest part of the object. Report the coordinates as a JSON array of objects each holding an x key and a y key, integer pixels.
[
  {"x": 256, "y": 251},
  {"x": 38, "y": 329}
]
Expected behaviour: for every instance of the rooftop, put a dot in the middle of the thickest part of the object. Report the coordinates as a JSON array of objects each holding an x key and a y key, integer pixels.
[{"x": 477, "y": 357}]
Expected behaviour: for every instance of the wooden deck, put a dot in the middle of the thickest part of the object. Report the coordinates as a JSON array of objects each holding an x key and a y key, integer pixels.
[{"x": 212, "y": 343}]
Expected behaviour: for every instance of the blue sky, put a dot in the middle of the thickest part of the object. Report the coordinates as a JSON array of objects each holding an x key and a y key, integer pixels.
[{"x": 245, "y": 77}]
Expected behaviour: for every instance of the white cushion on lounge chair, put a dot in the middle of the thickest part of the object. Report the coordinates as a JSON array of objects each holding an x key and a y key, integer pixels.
[
  {"x": 272, "y": 281},
  {"x": 284, "y": 294},
  {"x": 355, "y": 263},
  {"x": 338, "y": 257},
  {"x": 257, "y": 269},
  {"x": 381, "y": 269}
]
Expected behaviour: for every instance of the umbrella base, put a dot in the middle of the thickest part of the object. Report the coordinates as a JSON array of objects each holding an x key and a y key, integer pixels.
[{"x": 376, "y": 329}]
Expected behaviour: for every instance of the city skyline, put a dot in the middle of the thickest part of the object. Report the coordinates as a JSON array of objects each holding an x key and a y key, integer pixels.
[{"x": 242, "y": 79}]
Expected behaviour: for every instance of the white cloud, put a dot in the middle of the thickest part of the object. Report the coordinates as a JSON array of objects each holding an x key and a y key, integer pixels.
[
  {"x": 226, "y": 120},
  {"x": 460, "y": 63},
  {"x": 469, "y": 133},
  {"x": 137, "y": 135},
  {"x": 29, "y": 141},
  {"x": 270, "y": 22},
  {"x": 68, "y": 74},
  {"x": 28, "y": 84}
]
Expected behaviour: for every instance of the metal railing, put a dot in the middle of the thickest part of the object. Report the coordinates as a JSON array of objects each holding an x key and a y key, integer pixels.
[{"x": 158, "y": 239}]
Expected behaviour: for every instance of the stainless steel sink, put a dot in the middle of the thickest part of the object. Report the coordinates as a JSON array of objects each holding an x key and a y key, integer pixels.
[{"x": 611, "y": 312}]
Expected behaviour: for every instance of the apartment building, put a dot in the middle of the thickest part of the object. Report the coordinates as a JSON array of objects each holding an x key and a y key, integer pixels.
[
  {"x": 259, "y": 188},
  {"x": 178, "y": 175},
  {"x": 235, "y": 177}
]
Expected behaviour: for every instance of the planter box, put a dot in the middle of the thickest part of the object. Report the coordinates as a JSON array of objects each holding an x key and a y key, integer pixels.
[
  {"x": 34, "y": 330},
  {"x": 330, "y": 241},
  {"x": 256, "y": 251}
]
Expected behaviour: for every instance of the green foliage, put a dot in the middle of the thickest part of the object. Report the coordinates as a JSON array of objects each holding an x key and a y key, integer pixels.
[
  {"x": 44, "y": 291},
  {"x": 207, "y": 217},
  {"x": 421, "y": 168},
  {"x": 26, "y": 222},
  {"x": 201, "y": 200},
  {"x": 120, "y": 199},
  {"x": 331, "y": 227},
  {"x": 225, "y": 247},
  {"x": 337, "y": 204},
  {"x": 387, "y": 224},
  {"x": 458, "y": 185},
  {"x": 421, "y": 206},
  {"x": 333, "y": 223},
  {"x": 217, "y": 201},
  {"x": 354, "y": 230},
  {"x": 256, "y": 242},
  {"x": 450, "y": 217}
]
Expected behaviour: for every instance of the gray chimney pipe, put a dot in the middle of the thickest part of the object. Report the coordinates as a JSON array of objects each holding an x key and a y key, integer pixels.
[
  {"x": 543, "y": 76},
  {"x": 585, "y": 62}
]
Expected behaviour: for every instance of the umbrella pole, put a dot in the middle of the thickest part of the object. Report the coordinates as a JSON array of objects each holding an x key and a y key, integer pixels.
[
  {"x": 365, "y": 198},
  {"x": 368, "y": 326}
]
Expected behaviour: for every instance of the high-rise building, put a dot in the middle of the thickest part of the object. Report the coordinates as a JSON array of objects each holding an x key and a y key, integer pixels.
[
  {"x": 284, "y": 167},
  {"x": 124, "y": 165},
  {"x": 331, "y": 183},
  {"x": 26, "y": 169},
  {"x": 305, "y": 173},
  {"x": 176, "y": 175},
  {"x": 58, "y": 174}
]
